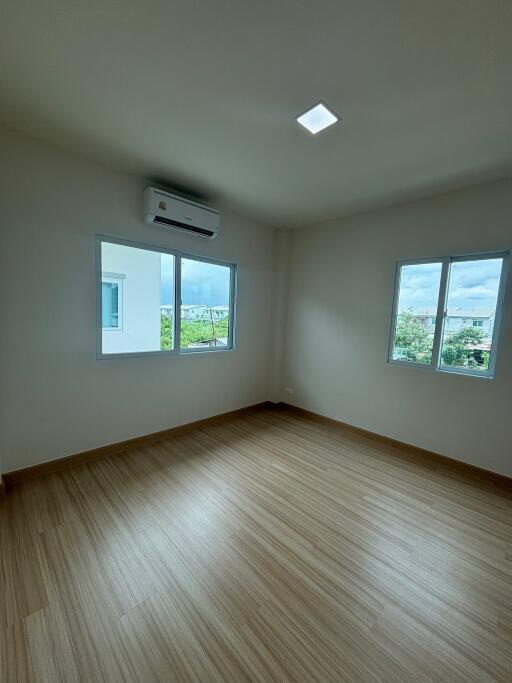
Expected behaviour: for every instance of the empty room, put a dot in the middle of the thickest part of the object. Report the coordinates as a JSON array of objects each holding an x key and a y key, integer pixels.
[{"x": 256, "y": 341}]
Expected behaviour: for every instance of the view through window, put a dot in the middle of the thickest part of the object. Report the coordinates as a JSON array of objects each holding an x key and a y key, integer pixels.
[
  {"x": 205, "y": 289},
  {"x": 468, "y": 291},
  {"x": 472, "y": 300},
  {"x": 146, "y": 276},
  {"x": 417, "y": 312},
  {"x": 139, "y": 305}
]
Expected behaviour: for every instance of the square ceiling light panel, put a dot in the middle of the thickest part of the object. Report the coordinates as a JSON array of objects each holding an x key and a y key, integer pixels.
[{"x": 317, "y": 118}]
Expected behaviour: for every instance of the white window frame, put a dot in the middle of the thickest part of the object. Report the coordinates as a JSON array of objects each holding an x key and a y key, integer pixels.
[
  {"x": 179, "y": 255},
  {"x": 436, "y": 363},
  {"x": 118, "y": 279}
]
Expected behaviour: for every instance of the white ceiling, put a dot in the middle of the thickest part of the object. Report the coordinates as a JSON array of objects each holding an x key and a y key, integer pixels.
[{"x": 202, "y": 95}]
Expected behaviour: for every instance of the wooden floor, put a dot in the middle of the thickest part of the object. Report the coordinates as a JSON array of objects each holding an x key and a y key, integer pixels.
[{"x": 266, "y": 548}]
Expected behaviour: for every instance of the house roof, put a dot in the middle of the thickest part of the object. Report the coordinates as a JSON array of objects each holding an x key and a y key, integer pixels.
[
  {"x": 223, "y": 307},
  {"x": 460, "y": 312}
]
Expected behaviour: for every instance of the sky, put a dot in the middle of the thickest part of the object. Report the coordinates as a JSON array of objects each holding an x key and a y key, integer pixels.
[
  {"x": 201, "y": 283},
  {"x": 472, "y": 285}
]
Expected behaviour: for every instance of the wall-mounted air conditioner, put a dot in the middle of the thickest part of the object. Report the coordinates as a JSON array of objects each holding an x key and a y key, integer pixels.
[{"x": 170, "y": 211}]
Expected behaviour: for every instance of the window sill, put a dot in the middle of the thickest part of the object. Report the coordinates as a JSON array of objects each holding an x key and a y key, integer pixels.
[
  {"x": 149, "y": 354},
  {"x": 440, "y": 369}
]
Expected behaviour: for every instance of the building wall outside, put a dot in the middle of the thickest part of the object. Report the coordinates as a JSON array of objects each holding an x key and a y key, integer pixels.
[
  {"x": 140, "y": 300},
  {"x": 456, "y": 323}
]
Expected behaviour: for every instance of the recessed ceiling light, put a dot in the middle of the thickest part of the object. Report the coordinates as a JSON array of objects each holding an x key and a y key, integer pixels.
[{"x": 317, "y": 118}]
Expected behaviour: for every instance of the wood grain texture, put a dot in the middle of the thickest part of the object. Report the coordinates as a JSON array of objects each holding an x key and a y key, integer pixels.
[
  {"x": 265, "y": 547},
  {"x": 421, "y": 453},
  {"x": 15, "y": 477}
]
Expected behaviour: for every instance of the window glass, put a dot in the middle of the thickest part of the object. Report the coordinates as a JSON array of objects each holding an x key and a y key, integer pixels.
[
  {"x": 146, "y": 280},
  {"x": 110, "y": 304},
  {"x": 146, "y": 295},
  {"x": 205, "y": 305},
  {"x": 416, "y": 312},
  {"x": 167, "y": 262},
  {"x": 472, "y": 298}
]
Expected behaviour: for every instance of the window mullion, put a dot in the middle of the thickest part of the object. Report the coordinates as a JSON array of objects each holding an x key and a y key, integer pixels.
[
  {"x": 441, "y": 314},
  {"x": 498, "y": 314},
  {"x": 231, "y": 312},
  {"x": 394, "y": 314},
  {"x": 177, "y": 303}
]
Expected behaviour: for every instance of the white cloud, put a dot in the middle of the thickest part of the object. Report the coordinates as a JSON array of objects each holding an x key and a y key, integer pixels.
[{"x": 472, "y": 284}]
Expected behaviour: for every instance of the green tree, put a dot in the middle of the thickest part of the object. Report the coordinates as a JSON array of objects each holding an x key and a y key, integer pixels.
[
  {"x": 458, "y": 349},
  {"x": 192, "y": 331},
  {"x": 165, "y": 333},
  {"x": 412, "y": 339}
]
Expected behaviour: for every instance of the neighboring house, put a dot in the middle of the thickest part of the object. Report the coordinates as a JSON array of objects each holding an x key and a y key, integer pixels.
[
  {"x": 194, "y": 312},
  {"x": 220, "y": 312},
  {"x": 201, "y": 313},
  {"x": 131, "y": 303},
  {"x": 198, "y": 312},
  {"x": 457, "y": 318},
  {"x": 478, "y": 318},
  {"x": 131, "y": 282}
]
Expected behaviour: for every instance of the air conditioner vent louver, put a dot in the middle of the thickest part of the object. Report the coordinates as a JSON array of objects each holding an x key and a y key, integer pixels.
[{"x": 183, "y": 226}]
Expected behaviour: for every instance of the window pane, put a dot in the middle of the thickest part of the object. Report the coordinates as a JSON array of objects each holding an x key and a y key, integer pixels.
[
  {"x": 137, "y": 312},
  {"x": 110, "y": 304},
  {"x": 167, "y": 302},
  {"x": 471, "y": 307},
  {"x": 416, "y": 317},
  {"x": 205, "y": 296}
]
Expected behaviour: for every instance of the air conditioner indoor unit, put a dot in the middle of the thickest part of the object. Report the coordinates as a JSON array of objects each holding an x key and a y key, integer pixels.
[{"x": 170, "y": 211}]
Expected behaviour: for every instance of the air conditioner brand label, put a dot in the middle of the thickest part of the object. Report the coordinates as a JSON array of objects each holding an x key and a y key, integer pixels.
[{"x": 163, "y": 206}]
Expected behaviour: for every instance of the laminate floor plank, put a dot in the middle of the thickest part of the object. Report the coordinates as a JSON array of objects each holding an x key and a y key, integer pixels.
[{"x": 270, "y": 547}]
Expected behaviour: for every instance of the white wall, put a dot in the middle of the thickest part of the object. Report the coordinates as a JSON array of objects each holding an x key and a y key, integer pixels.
[
  {"x": 140, "y": 299},
  {"x": 339, "y": 308},
  {"x": 56, "y": 398}
]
